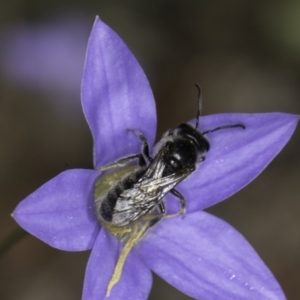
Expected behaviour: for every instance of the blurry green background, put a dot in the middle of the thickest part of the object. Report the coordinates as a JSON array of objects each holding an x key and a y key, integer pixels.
[{"x": 244, "y": 53}]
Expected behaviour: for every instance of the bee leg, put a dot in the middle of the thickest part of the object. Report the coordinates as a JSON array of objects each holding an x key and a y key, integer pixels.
[
  {"x": 201, "y": 159},
  {"x": 224, "y": 127},
  {"x": 182, "y": 210},
  {"x": 145, "y": 147},
  {"x": 123, "y": 161},
  {"x": 169, "y": 132},
  {"x": 161, "y": 213},
  {"x": 162, "y": 208},
  {"x": 182, "y": 202}
]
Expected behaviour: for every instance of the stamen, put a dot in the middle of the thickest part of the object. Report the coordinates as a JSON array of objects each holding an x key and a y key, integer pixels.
[{"x": 134, "y": 237}]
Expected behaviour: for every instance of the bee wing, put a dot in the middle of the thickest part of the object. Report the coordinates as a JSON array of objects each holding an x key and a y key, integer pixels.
[
  {"x": 165, "y": 183},
  {"x": 145, "y": 194},
  {"x": 157, "y": 166}
]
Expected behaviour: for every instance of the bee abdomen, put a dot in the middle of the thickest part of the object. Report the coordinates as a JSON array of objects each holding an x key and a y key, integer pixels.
[{"x": 108, "y": 204}]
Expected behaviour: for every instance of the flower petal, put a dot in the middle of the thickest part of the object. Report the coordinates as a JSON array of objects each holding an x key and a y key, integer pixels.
[
  {"x": 116, "y": 96},
  {"x": 61, "y": 212},
  {"x": 236, "y": 156},
  {"x": 206, "y": 258},
  {"x": 136, "y": 278}
]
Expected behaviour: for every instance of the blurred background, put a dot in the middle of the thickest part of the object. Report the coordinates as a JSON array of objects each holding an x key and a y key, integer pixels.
[{"x": 244, "y": 53}]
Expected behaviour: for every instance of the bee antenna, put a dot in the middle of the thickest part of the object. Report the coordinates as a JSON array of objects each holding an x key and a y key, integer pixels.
[{"x": 199, "y": 104}]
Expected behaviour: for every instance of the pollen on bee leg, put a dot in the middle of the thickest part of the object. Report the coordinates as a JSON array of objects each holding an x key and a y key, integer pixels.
[
  {"x": 134, "y": 237},
  {"x": 115, "y": 230},
  {"x": 168, "y": 216},
  {"x": 120, "y": 231}
]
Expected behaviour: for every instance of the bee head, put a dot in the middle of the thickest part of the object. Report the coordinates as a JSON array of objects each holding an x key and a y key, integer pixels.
[
  {"x": 186, "y": 131},
  {"x": 186, "y": 145},
  {"x": 192, "y": 133}
]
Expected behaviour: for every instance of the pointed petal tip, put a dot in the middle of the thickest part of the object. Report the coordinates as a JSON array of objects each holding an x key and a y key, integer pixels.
[
  {"x": 115, "y": 87},
  {"x": 59, "y": 212},
  {"x": 97, "y": 21},
  {"x": 206, "y": 258},
  {"x": 236, "y": 157}
]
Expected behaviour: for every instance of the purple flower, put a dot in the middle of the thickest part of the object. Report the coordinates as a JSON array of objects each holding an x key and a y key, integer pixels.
[{"x": 200, "y": 255}]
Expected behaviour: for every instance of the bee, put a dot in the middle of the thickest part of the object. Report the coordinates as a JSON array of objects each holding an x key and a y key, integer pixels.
[
  {"x": 179, "y": 152},
  {"x": 129, "y": 206}
]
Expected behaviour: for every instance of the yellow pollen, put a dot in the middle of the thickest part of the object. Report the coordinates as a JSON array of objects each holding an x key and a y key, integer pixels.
[{"x": 134, "y": 237}]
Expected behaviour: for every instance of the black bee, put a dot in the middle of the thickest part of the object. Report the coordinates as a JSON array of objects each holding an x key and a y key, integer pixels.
[{"x": 142, "y": 190}]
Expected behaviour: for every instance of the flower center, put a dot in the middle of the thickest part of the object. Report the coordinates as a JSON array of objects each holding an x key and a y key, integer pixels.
[{"x": 129, "y": 234}]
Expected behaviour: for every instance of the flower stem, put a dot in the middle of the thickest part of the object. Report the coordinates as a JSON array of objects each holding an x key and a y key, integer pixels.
[{"x": 12, "y": 238}]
